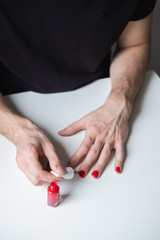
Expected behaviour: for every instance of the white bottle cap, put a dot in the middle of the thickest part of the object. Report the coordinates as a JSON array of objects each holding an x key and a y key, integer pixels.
[{"x": 68, "y": 175}]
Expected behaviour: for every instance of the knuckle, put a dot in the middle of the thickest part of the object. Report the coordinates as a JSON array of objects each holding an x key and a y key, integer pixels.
[
  {"x": 120, "y": 140},
  {"x": 43, "y": 139},
  {"x": 120, "y": 149},
  {"x": 86, "y": 147},
  {"x": 119, "y": 145},
  {"x": 104, "y": 134},
  {"x": 106, "y": 152},
  {"x": 95, "y": 129},
  {"x": 48, "y": 146},
  {"x": 19, "y": 162},
  {"x": 120, "y": 153},
  {"x": 17, "y": 159},
  {"x": 29, "y": 148},
  {"x": 94, "y": 152},
  {"x": 37, "y": 175},
  {"x": 90, "y": 138},
  {"x": 19, "y": 165},
  {"x": 100, "y": 141},
  {"x": 36, "y": 182}
]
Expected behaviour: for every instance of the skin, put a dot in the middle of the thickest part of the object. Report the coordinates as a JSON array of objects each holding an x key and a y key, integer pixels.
[{"x": 106, "y": 127}]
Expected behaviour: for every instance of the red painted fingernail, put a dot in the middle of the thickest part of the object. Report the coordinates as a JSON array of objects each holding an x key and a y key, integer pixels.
[
  {"x": 82, "y": 173},
  {"x": 95, "y": 174},
  {"x": 118, "y": 169}
]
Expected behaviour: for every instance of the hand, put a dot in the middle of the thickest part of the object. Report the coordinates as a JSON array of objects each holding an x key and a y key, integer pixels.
[
  {"x": 106, "y": 129},
  {"x": 32, "y": 143}
]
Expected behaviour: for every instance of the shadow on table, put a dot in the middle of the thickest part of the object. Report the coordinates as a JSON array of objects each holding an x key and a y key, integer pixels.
[
  {"x": 138, "y": 104},
  {"x": 139, "y": 100}
]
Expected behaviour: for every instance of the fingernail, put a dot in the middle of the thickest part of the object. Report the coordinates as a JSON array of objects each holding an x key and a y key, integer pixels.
[
  {"x": 95, "y": 174},
  {"x": 118, "y": 169},
  {"x": 59, "y": 180},
  {"x": 82, "y": 173},
  {"x": 60, "y": 169}
]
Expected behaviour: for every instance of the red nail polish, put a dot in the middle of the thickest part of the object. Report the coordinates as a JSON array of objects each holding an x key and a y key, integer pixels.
[
  {"x": 118, "y": 169},
  {"x": 95, "y": 174},
  {"x": 53, "y": 194},
  {"x": 82, "y": 173}
]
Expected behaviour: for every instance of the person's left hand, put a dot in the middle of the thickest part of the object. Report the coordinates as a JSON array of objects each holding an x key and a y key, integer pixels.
[{"x": 106, "y": 130}]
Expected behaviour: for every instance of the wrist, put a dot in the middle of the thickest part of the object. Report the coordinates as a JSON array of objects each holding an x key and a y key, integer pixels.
[
  {"x": 13, "y": 126},
  {"x": 23, "y": 127},
  {"x": 119, "y": 102}
]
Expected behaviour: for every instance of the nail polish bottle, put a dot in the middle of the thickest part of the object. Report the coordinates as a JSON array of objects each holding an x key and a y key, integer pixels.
[{"x": 53, "y": 194}]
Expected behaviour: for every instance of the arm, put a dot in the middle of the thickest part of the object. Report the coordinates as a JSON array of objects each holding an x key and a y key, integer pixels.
[
  {"x": 31, "y": 143},
  {"x": 107, "y": 126},
  {"x": 130, "y": 63}
]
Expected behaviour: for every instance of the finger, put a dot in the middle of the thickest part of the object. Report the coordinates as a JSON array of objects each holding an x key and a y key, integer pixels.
[
  {"x": 102, "y": 161},
  {"x": 119, "y": 154},
  {"x": 82, "y": 150},
  {"x": 91, "y": 158},
  {"x": 49, "y": 177},
  {"x": 36, "y": 172},
  {"x": 73, "y": 128},
  {"x": 39, "y": 176},
  {"x": 24, "y": 162},
  {"x": 41, "y": 179},
  {"x": 24, "y": 157},
  {"x": 53, "y": 159},
  {"x": 32, "y": 179}
]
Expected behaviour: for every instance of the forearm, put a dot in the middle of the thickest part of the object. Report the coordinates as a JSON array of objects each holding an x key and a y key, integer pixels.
[
  {"x": 127, "y": 72},
  {"x": 10, "y": 122}
]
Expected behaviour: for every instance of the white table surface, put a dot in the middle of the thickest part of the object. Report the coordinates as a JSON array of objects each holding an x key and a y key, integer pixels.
[{"x": 115, "y": 207}]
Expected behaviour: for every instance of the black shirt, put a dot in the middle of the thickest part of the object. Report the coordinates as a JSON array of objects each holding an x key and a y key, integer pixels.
[{"x": 59, "y": 45}]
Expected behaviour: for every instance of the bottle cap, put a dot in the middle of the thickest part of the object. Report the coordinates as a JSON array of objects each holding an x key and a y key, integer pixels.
[
  {"x": 68, "y": 175},
  {"x": 53, "y": 187}
]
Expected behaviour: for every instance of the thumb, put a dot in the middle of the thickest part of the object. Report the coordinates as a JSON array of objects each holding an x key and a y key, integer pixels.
[
  {"x": 54, "y": 162},
  {"x": 72, "y": 128}
]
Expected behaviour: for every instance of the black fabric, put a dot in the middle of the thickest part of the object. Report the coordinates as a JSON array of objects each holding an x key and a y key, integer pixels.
[
  {"x": 143, "y": 8},
  {"x": 58, "y": 45}
]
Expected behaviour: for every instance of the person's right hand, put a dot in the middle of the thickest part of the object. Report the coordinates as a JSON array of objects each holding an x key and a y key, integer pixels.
[{"x": 32, "y": 143}]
